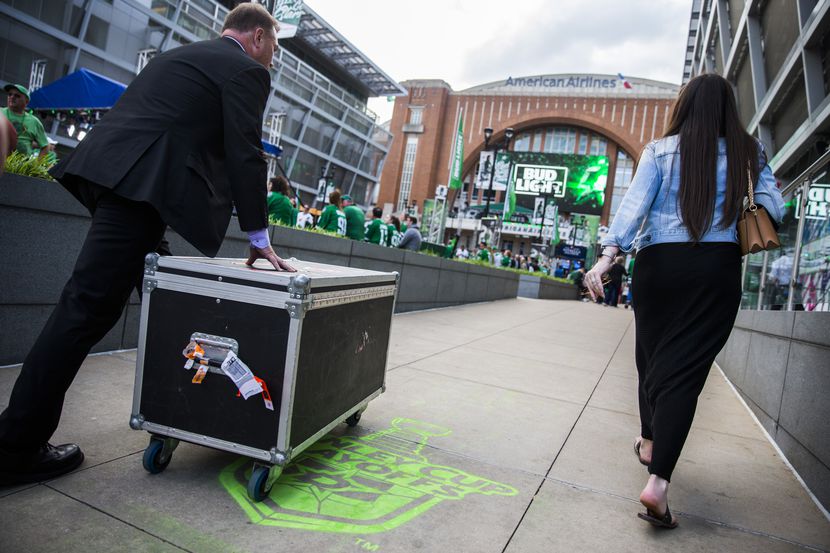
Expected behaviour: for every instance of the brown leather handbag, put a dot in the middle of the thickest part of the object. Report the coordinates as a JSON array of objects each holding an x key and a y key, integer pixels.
[{"x": 755, "y": 229}]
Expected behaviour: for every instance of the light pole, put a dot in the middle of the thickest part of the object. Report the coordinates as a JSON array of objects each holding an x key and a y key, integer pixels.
[{"x": 503, "y": 145}]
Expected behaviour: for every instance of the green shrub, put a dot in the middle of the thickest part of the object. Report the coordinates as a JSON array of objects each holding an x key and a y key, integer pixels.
[{"x": 29, "y": 166}]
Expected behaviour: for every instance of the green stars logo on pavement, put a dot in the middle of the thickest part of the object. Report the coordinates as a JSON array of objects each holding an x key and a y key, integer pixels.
[{"x": 360, "y": 485}]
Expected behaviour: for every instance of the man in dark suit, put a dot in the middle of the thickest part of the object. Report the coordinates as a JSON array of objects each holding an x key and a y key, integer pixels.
[{"x": 179, "y": 148}]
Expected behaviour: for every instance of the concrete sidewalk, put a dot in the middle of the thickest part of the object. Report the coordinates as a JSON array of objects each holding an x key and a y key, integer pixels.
[{"x": 506, "y": 426}]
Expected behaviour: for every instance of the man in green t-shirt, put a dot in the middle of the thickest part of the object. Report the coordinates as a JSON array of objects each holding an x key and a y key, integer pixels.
[
  {"x": 355, "y": 219},
  {"x": 332, "y": 218},
  {"x": 31, "y": 137},
  {"x": 376, "y": 231}
]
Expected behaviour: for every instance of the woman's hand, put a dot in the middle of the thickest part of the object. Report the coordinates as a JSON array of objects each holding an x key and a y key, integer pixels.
[{"x": 593, "y": 278}]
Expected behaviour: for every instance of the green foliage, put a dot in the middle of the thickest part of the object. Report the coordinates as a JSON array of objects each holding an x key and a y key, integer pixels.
[
  {"x": 482, "y": 263},
  {"x": 29, "y": 166},
  {"x": 315, "y": 230}
]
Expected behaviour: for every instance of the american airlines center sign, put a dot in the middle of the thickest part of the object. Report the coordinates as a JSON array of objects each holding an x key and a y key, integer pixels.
[
  {"x": 576, "y": 84},
  {"x": 567, "y": 81}
]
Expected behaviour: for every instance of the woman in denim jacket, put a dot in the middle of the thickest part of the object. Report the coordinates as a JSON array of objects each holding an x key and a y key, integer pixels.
[{"x": 680, "y": 212}]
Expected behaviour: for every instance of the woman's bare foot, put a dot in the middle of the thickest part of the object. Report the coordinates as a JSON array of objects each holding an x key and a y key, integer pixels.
[
  {"x": 643, "y": 448},
  {"x": 655, "y": 497}
]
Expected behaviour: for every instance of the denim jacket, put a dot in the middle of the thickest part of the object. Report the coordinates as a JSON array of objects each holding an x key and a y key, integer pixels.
[{"x": 652, "y": 196}]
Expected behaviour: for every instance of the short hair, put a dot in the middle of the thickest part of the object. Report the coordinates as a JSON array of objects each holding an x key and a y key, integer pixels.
[
  {"x": 280, "y": 184},
  {"x": 377, "y": 212},
  {"x": 413, "y": 219},
  {"x": 334, "y": 197},
  {"x": 248, "y": 16}
]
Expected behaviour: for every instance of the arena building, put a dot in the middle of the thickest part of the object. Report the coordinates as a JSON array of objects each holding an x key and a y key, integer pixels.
[{"x": 567, "y": 115}]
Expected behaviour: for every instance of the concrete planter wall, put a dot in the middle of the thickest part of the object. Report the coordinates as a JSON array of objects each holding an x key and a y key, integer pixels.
[
  {"x": 42, "y": 228},
  {"x": 546, "y": 289},
  {"x": 778, "y": 361}
]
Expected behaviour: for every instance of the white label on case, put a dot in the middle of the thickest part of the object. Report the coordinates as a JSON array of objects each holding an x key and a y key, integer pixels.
[{"x": 241, "y": 375}]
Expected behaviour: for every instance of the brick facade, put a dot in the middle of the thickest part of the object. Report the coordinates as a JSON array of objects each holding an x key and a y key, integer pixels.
[{"x": 627, "y": 119}]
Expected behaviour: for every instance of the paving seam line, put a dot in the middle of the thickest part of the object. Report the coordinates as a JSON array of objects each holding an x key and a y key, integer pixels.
[
  {"x": 473, "y": 340},
  {"x": 110, "y": 515},
  {"x": 462, "y": 379},
  {"x": 774, "y": 445},
  {"x": 578, "y": 417}
]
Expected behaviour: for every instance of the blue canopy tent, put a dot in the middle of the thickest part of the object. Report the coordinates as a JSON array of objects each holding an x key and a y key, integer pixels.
[
  {"x": 86, "y": 90},
  {"x": 81, "y": 90}
]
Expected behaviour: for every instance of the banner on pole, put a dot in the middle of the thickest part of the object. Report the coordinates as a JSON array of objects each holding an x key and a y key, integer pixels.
[
  {"x": 485, "y": 167},
  {"x": 457, "y": 157},
  {"x": 288, "y": 14}
]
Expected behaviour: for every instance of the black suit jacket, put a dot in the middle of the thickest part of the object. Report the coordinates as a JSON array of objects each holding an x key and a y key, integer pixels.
[{"x": 184, "y": 137}]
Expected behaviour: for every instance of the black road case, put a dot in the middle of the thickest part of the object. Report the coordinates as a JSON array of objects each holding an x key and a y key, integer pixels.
[{"x": 255, "y": 361}]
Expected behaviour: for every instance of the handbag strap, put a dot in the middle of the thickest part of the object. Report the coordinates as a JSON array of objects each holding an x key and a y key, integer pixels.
[{"x": 750, "y": 188}]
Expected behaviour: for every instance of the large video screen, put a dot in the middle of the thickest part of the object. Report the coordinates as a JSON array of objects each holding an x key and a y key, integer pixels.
[{"x": 576, "y": 183}]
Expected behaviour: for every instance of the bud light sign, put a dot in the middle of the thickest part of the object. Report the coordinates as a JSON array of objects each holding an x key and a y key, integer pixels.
[{"x": 541, "y": 179}]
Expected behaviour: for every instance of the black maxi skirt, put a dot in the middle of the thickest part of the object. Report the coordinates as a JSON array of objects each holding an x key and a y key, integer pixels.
[{"x": 686, "y": 297}]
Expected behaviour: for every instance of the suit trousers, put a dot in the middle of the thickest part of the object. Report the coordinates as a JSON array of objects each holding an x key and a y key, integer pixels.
[{"x": 111, "y": 260}]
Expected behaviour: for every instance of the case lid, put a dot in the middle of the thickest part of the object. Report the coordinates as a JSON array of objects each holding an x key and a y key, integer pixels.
[{"x": 322, "y": 277}]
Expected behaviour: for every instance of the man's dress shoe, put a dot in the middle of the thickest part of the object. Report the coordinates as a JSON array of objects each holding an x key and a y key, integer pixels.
[{"x": 48, "y": 462}]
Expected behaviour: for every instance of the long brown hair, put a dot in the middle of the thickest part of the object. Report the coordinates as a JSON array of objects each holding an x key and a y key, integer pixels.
[{"x": 705, "y": 110}]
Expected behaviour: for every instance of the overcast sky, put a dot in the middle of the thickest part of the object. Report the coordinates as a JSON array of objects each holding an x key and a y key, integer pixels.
[{"x": 472, "y": 42}]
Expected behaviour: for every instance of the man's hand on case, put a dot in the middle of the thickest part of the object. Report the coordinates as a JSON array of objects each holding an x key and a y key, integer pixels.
[{"x": 272, "y": 257}]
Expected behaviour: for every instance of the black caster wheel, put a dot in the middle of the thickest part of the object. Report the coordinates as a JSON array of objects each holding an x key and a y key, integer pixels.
[
  {"x": 353, "y": 419},
  {"x": 152, "y": 461},
  {"x": 257, "y": 483}
]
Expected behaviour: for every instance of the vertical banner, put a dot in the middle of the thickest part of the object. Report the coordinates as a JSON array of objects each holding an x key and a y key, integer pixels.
[
  {"x": 288, "y": 14},
  {"x": 502, "y": 171},
  {"x": 485, "y": 169},
  {"x": 509, "y": 202},
  {"x": 457, "y": 157},
  {"x": 553, "y": 210}
]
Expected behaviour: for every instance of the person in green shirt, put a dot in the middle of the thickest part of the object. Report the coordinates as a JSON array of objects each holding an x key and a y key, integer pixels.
[
  {"x": 332, "y": 218},
  {"x": 355, "y": 219},
  {"x": 31, "y": 137},
  {"x": 505, "y": 259},
  {"x": 483, "y": 252},
  {"x": 395, "y": 234},
  {"x": 376, "y": 231},
  {"x": 280, "y": 209}
]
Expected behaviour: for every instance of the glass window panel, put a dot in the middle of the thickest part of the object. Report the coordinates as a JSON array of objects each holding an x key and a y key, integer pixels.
[
  {"x": 813, "y": 276},
  {"x": 752, "y": 280},
  {"x": 537, "y": 141},
  {"x": 599, "y": 145},
  {"x": 361, "y": 190},
  {"x": 96, "y": 32},
  {"x": 407, "y": 171},
  {"x": 780, "y": 264},
  {"x": 329, "y": 105},
  {"x": 319, "y": 134},
  {"x": 348, "y": 149},
  {"x": 294, "y": 113},
  {"x": 306, "y": 168},
  {"x": 522, "y": 143},
  {"x": 583, "y": 144}
]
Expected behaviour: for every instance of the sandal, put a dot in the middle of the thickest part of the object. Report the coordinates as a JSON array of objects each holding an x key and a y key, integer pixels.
[
  {"x": 637, "y": 443},
  {"x": 666, "y": 521}
]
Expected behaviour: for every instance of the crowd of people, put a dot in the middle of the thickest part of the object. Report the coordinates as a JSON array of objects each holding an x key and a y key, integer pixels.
[{"x": 343, "y": 217}]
